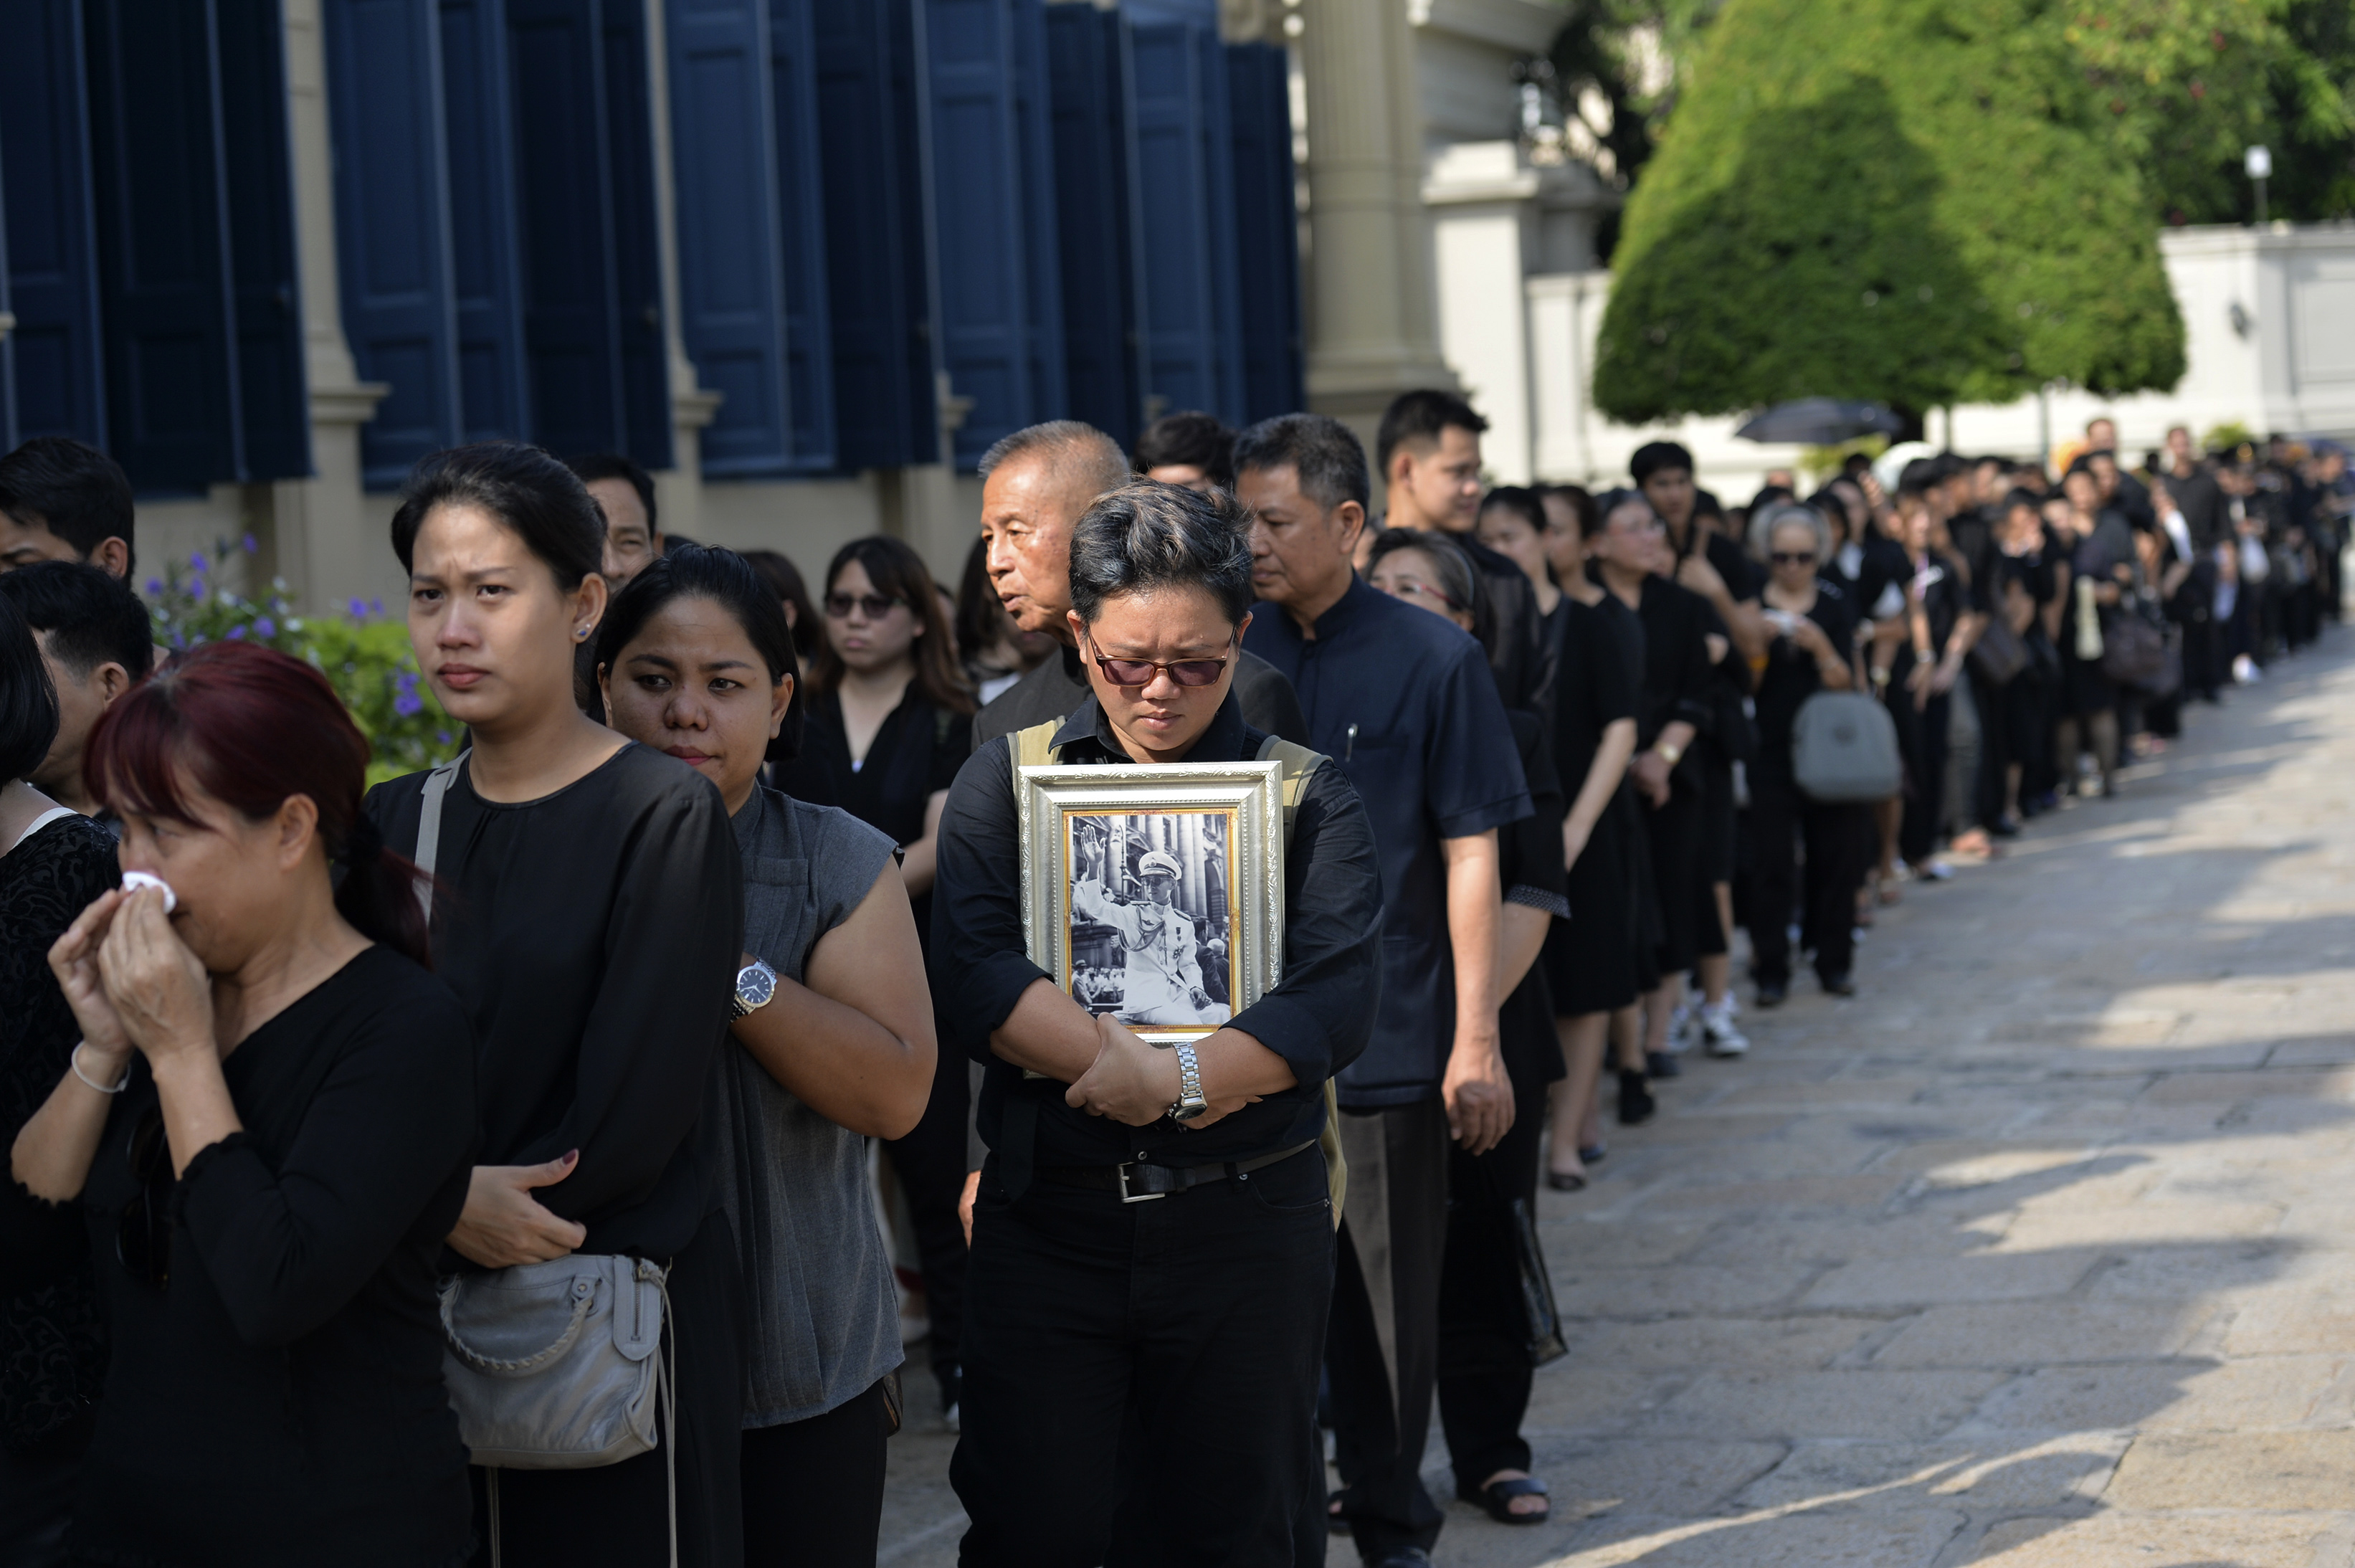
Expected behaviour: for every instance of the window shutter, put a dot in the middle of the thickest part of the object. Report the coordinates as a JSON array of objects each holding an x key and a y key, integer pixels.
[
  {"x": 266, "y": 305},
  {"x": 798, "y": 196},
  {"x": 1091, "y": 178},
  {"x": 643, "y": 367},
  {"x": 877, "y": 249},
  {"x": 163, "y": 252},
  {"x": 1267, "y": 231},
  {"x": 392, "y": 223},
  {"x": 1217, "y": 122},
  {"x": 1177, "y": 314},
  {"x": 50, "y": 363},
  {"x": 1040, "y": 265},
  {"x": 486, "y": 251},
  {"x": 730, "y": 271}
]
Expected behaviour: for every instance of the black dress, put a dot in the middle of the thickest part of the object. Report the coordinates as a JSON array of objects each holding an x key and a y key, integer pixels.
[
  {"x": 1782, "y": 819},
  {"x": 1677, "y": 686},
  {"x": 277, "y": 1397},
  {"x": 52, "y": 1344},
  {"x": 593, "y": 938},
  {"x": 1591, "y": 959}
]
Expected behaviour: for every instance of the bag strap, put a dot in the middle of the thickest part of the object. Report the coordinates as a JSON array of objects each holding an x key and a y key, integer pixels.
[{"x": 429, "y": 827}]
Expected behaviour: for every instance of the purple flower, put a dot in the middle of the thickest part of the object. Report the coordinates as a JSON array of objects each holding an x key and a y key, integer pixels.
[
  {"x": 251, "y": 547},
  {"x": 197, "y": 564},
  {"x": 235, "y": 633},
  {"x": 376, "y": 606},
  {"x": 155, "y": 587},
  {"x": 265, "y": 627},
  {"x": 359, "y": 610},
  {"x": 442, "y": 737}
]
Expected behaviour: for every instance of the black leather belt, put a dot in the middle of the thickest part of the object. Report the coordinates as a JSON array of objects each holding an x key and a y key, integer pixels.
[{"x": 1141, "y": 1183}]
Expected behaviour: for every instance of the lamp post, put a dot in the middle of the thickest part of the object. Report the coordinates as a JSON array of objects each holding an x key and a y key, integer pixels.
[{"x": 2259, "y": 162}]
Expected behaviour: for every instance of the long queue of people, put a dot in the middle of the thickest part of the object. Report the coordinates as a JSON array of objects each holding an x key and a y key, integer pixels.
[{"x": 475, "y": 1168}]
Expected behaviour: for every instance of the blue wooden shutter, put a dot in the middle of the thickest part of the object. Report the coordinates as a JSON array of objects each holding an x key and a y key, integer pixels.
[
  {"x": 877, "y": 258},
  {"x": 392, "y": 225},
  {"x": 643, "y": 367},
  {"x": 53, "y": 364},
  {"x": 258, "y": 195},
  {"x": 486, "y": 249},
  {"x": 163, "y": 252},
  {"x": 571, "y": 348},
  {"x": 1092, "y": 212},
  {"x": 1267, "y": 231},
  {"x": 1217, "y": 122},
  {"x": 730, "y": 267},
  {"x": 1178, "y": 309},
  {"x": 1042, "y": 267},
  {"x": 799, "y": 200}
]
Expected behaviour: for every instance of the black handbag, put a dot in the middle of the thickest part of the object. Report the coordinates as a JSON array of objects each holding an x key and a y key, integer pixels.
[
  {"x": 2000, "y": 653},
  {"x": 2134, "y": 651},
  {"x": 1540, "y": 1318}
]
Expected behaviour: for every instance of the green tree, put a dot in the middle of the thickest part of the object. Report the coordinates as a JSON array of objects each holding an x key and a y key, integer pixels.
[{"x": 1916, "y": 200}]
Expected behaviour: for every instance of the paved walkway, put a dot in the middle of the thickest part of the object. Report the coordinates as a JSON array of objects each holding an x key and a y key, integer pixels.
[{"x": 2034, "y": 1253}]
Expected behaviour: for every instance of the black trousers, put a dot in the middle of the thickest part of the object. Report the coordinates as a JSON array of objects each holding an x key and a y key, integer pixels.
[
  {"x": 1191, "y": 1324},
  {"x": 618, "y": 1516},
  {"x": 1922, "y": 737},
  {"x": 814, "y": 1488},
  {"x": 1484, "y": 1356},
  {"x": 931, "y": 1164},
  {"x": 1783, "y": 820},
  {"x": 1383, "y": 1346}
]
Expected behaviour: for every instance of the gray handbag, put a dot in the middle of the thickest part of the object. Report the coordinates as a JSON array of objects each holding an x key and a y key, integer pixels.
[
  {"x": 1844, "y": 748},
  {"x": 553, "y": 1366}
]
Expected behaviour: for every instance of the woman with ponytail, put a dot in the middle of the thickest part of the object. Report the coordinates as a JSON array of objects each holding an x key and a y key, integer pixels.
[{"x": 261, "y": 1142}]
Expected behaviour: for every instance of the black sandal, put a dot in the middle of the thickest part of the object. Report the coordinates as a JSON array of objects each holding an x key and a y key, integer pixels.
[
  {"x": 1496, "y": 1497},
  {"x": 1336, "y": 1513}
]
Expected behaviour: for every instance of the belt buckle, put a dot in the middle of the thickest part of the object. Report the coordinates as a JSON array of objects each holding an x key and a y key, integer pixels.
[{"x": 1126, "y": 1196}]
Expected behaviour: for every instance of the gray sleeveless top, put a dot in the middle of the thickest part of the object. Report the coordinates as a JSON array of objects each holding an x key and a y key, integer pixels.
[{"x": 825, "y": 1317}]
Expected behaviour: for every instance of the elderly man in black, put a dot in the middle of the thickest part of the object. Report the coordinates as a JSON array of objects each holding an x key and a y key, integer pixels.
[
  {"x": 1403, "y": 701},
  {"x": 1152, "y": 1239}
]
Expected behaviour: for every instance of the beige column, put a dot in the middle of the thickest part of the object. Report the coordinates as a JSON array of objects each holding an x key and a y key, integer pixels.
[
  {"x": 1372, "y": 328},
  {"x": 678, "y": 489},
  {"x": 323, "y": 534}
]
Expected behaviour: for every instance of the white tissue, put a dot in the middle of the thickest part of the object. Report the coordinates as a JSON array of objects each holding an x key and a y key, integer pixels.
[{"x": 134, "y": 880}]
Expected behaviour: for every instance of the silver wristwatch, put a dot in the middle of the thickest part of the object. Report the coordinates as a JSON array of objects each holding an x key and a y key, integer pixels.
[
  {"x": 755, "y": 984},
  {"x": 1190, "y": 1102}
]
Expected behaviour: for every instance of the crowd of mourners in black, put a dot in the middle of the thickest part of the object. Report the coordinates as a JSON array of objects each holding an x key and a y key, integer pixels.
[{"x": 519, "y": 1111}]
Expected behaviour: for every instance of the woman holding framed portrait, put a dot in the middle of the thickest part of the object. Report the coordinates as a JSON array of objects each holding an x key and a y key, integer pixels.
[{"x": 1152, "y": 1230}]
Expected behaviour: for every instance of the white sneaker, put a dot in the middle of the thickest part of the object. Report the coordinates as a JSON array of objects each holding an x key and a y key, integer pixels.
[
  {"x": 1717, "y": 1031},
  {"x": 2246, "y": 671},
  {"x": 1684, "y": 1029}
]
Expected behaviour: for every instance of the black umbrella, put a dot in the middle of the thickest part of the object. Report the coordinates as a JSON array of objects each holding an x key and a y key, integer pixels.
[{"x": 1819, "y": 422}]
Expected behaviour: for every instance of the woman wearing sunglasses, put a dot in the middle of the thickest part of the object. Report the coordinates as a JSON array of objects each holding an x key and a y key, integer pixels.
[
  {"x": 262, "y": 1141},
  {"x": 890, "y": 720},
  {"x": 1815, "y": 624}
]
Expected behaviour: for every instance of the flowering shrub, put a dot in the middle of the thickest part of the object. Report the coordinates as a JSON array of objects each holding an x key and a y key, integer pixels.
[{"x": 363, "y": 652}]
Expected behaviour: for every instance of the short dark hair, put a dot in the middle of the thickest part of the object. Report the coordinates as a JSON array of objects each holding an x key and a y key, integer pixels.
[
  {"x": 785, "y": 580},
  {"x": 76, "y": 492},
  {"x": 1422, "y": 415},
  {"x": 729, "y": 581},
  {"x": 28, "y": 703},
  {"x": 1581, "y": 504},
  {"x": 1654, "y": 455},
  {"x": 1196, "y": 439},
  {"x": 599, "y": 465},
  {"x": 1610, "y": 501},
  {"x": 530, "y": 492},
  {"x": 1325, "y": 453},
  {"x": 1521, "y": 501},
  {"x": 1465, "y": 582},
  {"x": 1146, "y": 535},
  {"x": 2021, "y": 496},
  {"x": 90, "y": 616}
]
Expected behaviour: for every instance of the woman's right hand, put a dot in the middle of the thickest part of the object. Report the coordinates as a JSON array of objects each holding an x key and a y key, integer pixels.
[
  {"x": 73, "y": 959},
  {"x": 503, "y": 1224}
]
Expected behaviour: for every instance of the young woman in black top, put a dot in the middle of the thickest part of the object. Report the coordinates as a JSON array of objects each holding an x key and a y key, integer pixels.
[
  {"x": 591, "y": 927},
  {"x": 266, "y": 1133}
]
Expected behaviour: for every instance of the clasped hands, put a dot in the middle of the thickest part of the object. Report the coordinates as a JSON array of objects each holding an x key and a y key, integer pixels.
[{"x": 1135, "y": 1084}]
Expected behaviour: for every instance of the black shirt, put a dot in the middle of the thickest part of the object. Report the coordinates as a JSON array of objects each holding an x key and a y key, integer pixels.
[
  {"x": 279, "y": 1398},
  {"x": 1529, "y": 866},
  {"x": 1594, "y": 687},
  {"x": 1517, "y": 659},
  {"x": 917, "y": 751},
  {"x": 1792, "y": 676},
  {"x": 1057, "y": 687},
  {"x": 593, "y": 938},
  {"x": 1403, "y": 701},
  {"x": 1675, "y": 684},
  {"x": 2206, "y": 517},
  {"x": 1317, "y": 1018}
]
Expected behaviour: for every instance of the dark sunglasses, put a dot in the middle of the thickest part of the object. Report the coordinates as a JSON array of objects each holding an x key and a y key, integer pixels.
[
  {"x": 874, "y": 605},
  {"x": 1134, "y": 673},
  {"x": 1793, "y": 557},
  {"x": 143, "y": 1231}
]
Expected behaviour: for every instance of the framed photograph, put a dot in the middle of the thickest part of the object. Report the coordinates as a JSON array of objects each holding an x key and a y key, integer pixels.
[{"x": 1155, "y": 894}]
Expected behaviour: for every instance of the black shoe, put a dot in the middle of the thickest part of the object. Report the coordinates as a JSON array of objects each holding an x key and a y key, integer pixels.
[
  {"x": 1770, "y": 994},
  {"x": 1403, "y": 1557},
  {"x": 1635, "y": 1103},
  {"x": 1838, "y": 984},
  {"x": 1661, "y": 1064},
  {"x": 2005, "y": 827}
]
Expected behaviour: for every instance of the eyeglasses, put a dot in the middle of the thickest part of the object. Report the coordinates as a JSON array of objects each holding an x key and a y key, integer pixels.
[
  {"x": 1793, "y": 557},
  {"x": 874, "y": 606},
  {"x": 1416, "y": 588},
  {"x": 1134, "y": 672},
  {"x": 143, "y": 1231}
]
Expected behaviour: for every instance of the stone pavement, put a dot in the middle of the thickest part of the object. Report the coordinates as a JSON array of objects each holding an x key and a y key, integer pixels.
[{"x": 2034, "y": 1253}]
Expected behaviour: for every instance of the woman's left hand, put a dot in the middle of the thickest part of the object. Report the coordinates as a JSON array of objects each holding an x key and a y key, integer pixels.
[
  {"x": 1130, "y": 1081},
  {"x": 159, "y": 989}
]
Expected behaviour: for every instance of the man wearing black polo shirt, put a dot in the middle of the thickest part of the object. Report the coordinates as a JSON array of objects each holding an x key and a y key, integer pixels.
[
  {"x": 1153, "y": 1240},
  {"x": 1034, "y": 485},
  {"x": 1404, "y": 703}
]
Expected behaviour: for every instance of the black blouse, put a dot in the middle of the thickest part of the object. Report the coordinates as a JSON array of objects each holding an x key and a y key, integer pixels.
[
  {"x": 1791, "y": 677},
  {"x": 1594, "y": 687},
  {"x": 278, "y": 1398},
  {"x": 1675, "y": 679},
  {"x": 1530, "y": 868},
  {"x": 916, "y": 753},
  {"x": 593, "y": 938}
]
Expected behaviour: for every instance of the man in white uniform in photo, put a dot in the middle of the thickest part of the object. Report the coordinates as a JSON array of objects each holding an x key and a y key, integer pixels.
[{"x": 1162, "y": 980}]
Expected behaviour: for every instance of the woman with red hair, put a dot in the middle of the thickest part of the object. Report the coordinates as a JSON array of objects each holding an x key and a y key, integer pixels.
[{"x": 262, "y": 1141}]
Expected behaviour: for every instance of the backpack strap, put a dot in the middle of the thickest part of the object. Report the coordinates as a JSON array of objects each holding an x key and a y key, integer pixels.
[
  {"x": 1031, "y": 748},
  {"x": 429, "y": 827},
  {"x": 1300, "y": 765}
]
